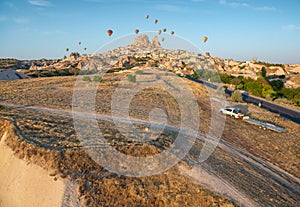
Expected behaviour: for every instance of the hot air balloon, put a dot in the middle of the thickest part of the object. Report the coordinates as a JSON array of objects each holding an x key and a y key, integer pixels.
[
  {"x": 172, "y": 33},
  {"x": 155, "y": 21},
  {"x": 79, "y": 43},
  {"x": 136, "y": 31},
  {"x": 109, "y": 32},
  {"x": 159, "y": 32},
  {"x": 204, "y": 39},
  {"x": 67, "y": 49},
  {"x": 85, "y": 48},
  {"x": 163, "y": 39},
  {"x": 147, "y": 16},
  {"x": 164, "y": 29}
]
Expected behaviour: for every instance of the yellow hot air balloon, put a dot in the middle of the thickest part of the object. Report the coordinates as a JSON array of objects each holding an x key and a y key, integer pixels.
[
  {"x": 204, "y": 39},
  {"x": 136, "y": 31},
  {"x": 159, "y": 32},
  {"x": 109, "y": 32}
]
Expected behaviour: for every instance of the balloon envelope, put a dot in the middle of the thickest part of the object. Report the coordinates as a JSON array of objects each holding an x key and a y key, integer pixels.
[
  {"x": 204, "y": 39},
  {"x": 79, "y": 43},
  {"x": 147, "y": 16},
  {"x": 136, "y": 31},
  {"x": 67, "y": 49},
  {"x": 159, "y": 32},
  {"x": 164, "y": 29},
  {"x": 109, "y": 32},
  {"x": 155, "y": 21},
  {"x": 172, "y": 33}
]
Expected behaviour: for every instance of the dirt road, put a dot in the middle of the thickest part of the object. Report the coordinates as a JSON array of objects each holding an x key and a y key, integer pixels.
[{"x": 231, "y": 171}]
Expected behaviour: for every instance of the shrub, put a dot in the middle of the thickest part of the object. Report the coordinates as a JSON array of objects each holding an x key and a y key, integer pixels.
[
  {"x": 236, "y": 81},
  {"x": 139, "y": 72},
  {"x": 131, "y": 78},
  {"x": 237, "y": 96},
  {"x": 2, "y": 107},
  {"x": 86, "y": 78},
  {"x": 225, "y": 78},
  {"x": 195, "y": 75},
  {"x": 98, "y": 79},
  {"x": 220, "y": 90}
]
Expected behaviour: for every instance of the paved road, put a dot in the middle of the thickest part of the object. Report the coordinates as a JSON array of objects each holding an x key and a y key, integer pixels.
[{"x": 291, "y": 114}]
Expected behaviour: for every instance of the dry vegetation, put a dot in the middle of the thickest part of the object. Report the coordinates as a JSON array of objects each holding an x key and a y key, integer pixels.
[
  {"x": 49, "y": 140},
  {"x": 95, "y": 185}
]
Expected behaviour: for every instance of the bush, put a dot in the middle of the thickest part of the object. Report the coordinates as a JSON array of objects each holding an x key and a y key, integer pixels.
[
  {"x": 131, "y": 78},
  {"x": 86, "y": 78},
  {"x": 98, "y": 79},
  {"x": 236, "y": 81},
  {"x": 209, "y": 75},
  {"x": 225, "y": 78},
  {"x": 195, "y": 75},
  {"x": 139, "y": 72},
  {"x": 2, "y": 107},
  {"x": 237, "y": 96}
]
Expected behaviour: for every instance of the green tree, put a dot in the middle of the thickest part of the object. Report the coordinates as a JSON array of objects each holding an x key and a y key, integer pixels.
[
  {"x": 225, "y": 78},
  {"x": 254, "y": 87},
  {"x": 263, "y": 72},
  {"x": 277, "y": 85}
]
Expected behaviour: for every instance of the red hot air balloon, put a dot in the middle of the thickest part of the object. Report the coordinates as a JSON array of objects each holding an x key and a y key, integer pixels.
[
  {"x": 172, "y": 33},
  {"x": 109, "y": 32},
  {"x": 67, "y": 49},
  {"x": 147, "y": 16},
  {"x": 155, "y": 21}
]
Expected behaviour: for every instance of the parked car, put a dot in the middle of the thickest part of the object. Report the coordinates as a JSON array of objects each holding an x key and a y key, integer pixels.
[{"x": 232, "y": 111}]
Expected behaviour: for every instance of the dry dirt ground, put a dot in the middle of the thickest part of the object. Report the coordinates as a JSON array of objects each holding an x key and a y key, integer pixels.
[{"x": 48, "y": 138}]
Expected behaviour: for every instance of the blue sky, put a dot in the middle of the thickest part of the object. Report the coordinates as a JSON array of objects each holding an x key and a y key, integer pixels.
[{"x": 238, "y": 29}]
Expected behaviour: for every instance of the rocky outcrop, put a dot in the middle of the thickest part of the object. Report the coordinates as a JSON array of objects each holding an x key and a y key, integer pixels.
[
  {"x": 155, "y": 43},
  {"x": 142, "y": 42}
]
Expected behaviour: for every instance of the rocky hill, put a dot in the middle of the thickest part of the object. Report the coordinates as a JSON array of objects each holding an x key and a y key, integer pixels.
[{"x": 143, "y": 53}]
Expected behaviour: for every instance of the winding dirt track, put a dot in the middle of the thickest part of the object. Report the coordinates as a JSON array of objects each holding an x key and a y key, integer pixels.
[{"x": 243, "y": 177}]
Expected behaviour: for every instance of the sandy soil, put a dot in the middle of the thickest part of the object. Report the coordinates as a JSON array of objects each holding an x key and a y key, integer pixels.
[{"x": 25, "y": 185}]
